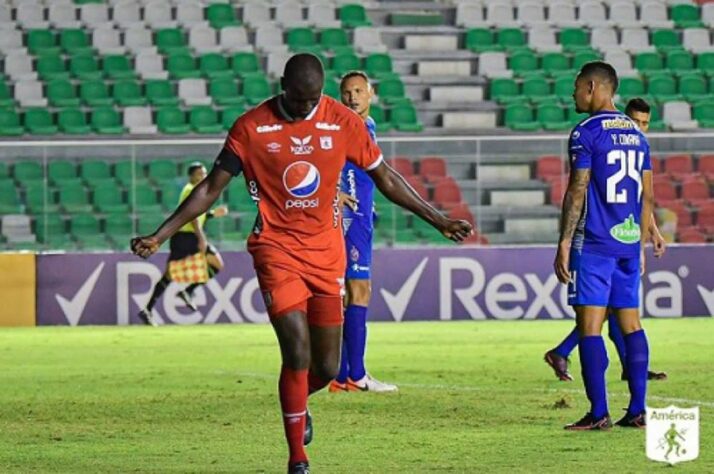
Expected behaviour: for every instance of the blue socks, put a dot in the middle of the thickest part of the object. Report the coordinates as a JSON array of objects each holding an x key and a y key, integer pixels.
[
  {"x": 354, "y": 343},
  {"x": 593, "y": 358},
  {"x": 638, "y": 357},
  {"x": 566, "y": 347},
  {"x": 616, "y": 337}
]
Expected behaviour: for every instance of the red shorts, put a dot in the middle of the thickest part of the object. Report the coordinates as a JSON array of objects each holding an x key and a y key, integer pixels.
[{"x": 317, "y": 295}]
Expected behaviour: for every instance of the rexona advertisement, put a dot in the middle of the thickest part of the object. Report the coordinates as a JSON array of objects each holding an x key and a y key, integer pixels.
[{"x": 408, "y": 285}]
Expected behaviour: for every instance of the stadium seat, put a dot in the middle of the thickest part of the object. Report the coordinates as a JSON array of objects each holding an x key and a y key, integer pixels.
[
  {"x": 51, "y": 67},
  {"x": 82, "y": 225},
  {"x": 505, "y": 90},
  {"x": 94, "y": 171},
  {"x": 446, "y": 192},
  {"x": 225, "y": 92},
  {"x": 161, "y": 92},
  {"x": 583, "y": 57},
  {"x": 214, "y": 66},
  {"x": 331, "y": 88},
  {"x": 203, "y": 39},
  {"x": 230, "y": 114},
  {"x": 404, "y": 118},
  {"x": 74, "y": 41},
  {"x": 552, "y": 117},
  {"x": 649, "y": 62},
  {"x": 61, "y": 93},
  {"x": 685, "y": 16},
  {"x": 139, "y": 120},
  {"x": 6, "y": 98},
  {"x": 42, "y": 42},
  {"x": 378, "y": 114},
  {"x": 245, "y": 64},
  {"x": 524, "y": 63},
  {"x": 221, "y": 15},
  {"x": 117, "y": 66},
  {"x": 432, "y": 167},
  {"x": 159, "y": 15},
  {"x": 469, "y": 14},
  {"x": 9, "y": 200},
  {"x": 29, "y": 93},
  {"x": 170, "y": 41},
  {"x": 678, "y": 116},
  {"x": 138, "y": 39},
  {"x": 663, "y": 88},
  {"x": 695, "y": 190},
  {"x": 73, "y": 198},
  {"x": 38, "y": 121},
  {"x": 367, "y": 39},
  {"x": 160, "y": 170},
  {"x": 391, "y": 91},
  {"x": 402, "y": 165},
  {"x": 511, "y": 39},
  {"x": 653, "y": 14},
  {"x": 120, "y": 228},
  {"x": 84, "y": 67},
  {"x": 345, "y": 62},
  {"x": 256, "y": 89},
  {"x": 169, "y": 195},
  {"x": 679, "y": 166},
  {"x": 106, "y": 121},
  {"x": 353, "y": 15},
  {"x": 107, "y": 40},
  {"x": 204, "y": 120},
  {"x": 704, "y": 114},
  {"x": 62, "y": 172},
  {"x": 193, "y": 92},
  {"x": 664, "y": 190},
  {"x": 665, "y": 40},
  {"x": 301, "y": 39},
  {"x": 549, "y": 167},
  {"x": 573, "y": 39},
  {"x": 520, "y": 117},
  {"x": 233, "y": 39},
  {"x": 706, "y": 166},
  {"x": 172, "y": 120},
  {"x": 128, "y": 93},
  {"x": 49, "y": 226},
  {"x": 336, "y": 40},
  {"x": 73, "y": 122},
  {"x": 690, "y": 235},
  {"x": 696, "y": 40},
  {"x": 693, "y": 87},
  {"x": 705, "y": 63},
  {"x": 679, "y": 61},
  {"x": 144, "y": 199},
  {"x": 182, "y": 66},
  {"x": 705, "y": 217},
  {"x": 479, "y": 40},
  {"x": 379, "y": 65},
  {"x": 418, "y": 185},
  {"x": 10, "y": 123},
  {"x": 537, "y": 89},
  {"x": 631, "y": 87},
  {"x": 563, "y": 89}
]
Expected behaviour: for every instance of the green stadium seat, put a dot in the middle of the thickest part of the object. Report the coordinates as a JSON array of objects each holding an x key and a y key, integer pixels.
[
  {"x": 41, "y": 42},
  {"x": 94, "y": 171},
  {"x": 27, "y": 171},
  {"x": 663, "y": 88},
  {"x": 574, "y": 38},
  {"x": 172, "y": 120},
  {"x": 214, "y": 66},
  {"x": 404, "y": 118},
  {"x": 160, "y": 92},
  {"x": 9, "y": 199},
  {"x": 84, "y": 67},
  {"x": 74, "y": 41},
  {"x": 504, "y": 90},
  {"x": 523, "y": 63},
  {"x": 109, "y": 199},
  {"x": 556, "y": 63},
  {"x": 563, "y": 88},
  {"x": 648, "y": 62},
  {"x": 39, "y": 199},
  {"x": 520, "y": 117},
  {"x": 48, "y": 226},
  {"x": 300, "y": 39},
  {"x": 38, "y": 121},
  {"x": 346, "y": 62},
  {"x": 573, "y": 116},
  {"x": 379, "y": 65},
  {"x": 170, "y": 193},
  {"x": 73, "y": 122},
  {"x": 391, "y": 91},
  {"x": 204, "y": 119},
  {"x": 335, "y": 39},
  {"x": 331, "y": 88},
  {"x": 705, "y": 62},
  {"x": 581, "y": 58},
  {"x": 129, "y": 173},
  {"x": 145, "y": 199},
  {"x": 256, "y": 89},
  {"x": 171, "y": 41},
  {"x": 61, "y": 93},
  {"x": 693, "y": 87},
  {"x": 665, "y": 40},
  {"x": 4, "y": 171},
  {"x": 225, "y": 92},
  {"x": 127, "y": 92},
  {"x": 686, "y": 16},
  {"x": 245, "y": 64},
  {"x": 221, "y": 15},
  {"x": 377, "y": 113},
  {"x": 82, "y": 225},
  {"x": 230, "y": 114},
  {"x": 106, "y": 121},
  {"x": 656, "y": 123},
  {"x": 6, "y": 98},
  {"x": 552, "y": 117},
  {"x": 119, "y": 227},
  {"x": 95, "y": 93},
  {"x": 118, "y": 66},
  {"x": 182, "y": 66},
  {"x": 480, "y": 40},
  {"x": 149, "y": 222},
  {"x": 73, "y": 198},
  {"x": 537, "y": 89},
  {"x": 680, "y": 61},
  {"x": 353, "y": 15},
  {"x": 51, "y": 67},
  {"x": 10, "y": 123},
  {"x": 704, "y": 114},
  {"x": 511, "y": 38},
  {"x": 631, "y": 87}
]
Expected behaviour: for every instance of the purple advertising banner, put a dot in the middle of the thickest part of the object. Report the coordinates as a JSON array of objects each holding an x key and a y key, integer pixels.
[{"x": 408, "y": 285}]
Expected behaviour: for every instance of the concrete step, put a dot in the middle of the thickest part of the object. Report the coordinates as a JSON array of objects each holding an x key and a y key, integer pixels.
[
  {"x": 456, "y": 94},
  {"x": 532, "y": 226},
  {"x": 469, "y": 120},
  {"x": 519, "y": 198},
  {"x": 503, "y": 172},
  {"x": 502, "y": 238},
  {"x": 423, "y": 43}
]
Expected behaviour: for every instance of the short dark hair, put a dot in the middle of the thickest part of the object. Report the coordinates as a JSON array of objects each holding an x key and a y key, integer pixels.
[
  {"x": 354, "y": 73},
  {"x": 603, "y": 71},
  {"x": 194, "y": 166},
  {"x": 302, "y": 67},
  {"x": 638, "y": 104}
]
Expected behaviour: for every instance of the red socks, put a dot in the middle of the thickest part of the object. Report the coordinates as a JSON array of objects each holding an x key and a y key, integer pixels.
[
  {"x": 315, "y": 383},
  {"x": 293, "y": 401}
]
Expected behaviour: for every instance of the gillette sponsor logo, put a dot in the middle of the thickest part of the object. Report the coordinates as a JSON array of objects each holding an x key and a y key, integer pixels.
[
  {"x": 301, "y": 180},
  {"x": 269, "y": 128},
  {"x": 332, "y": 127}
]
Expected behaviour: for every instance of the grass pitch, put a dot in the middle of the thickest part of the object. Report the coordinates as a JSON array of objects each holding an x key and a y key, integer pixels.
[{"x": 474, "y": 397}]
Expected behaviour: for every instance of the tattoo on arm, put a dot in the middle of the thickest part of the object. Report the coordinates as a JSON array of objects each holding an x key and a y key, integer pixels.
[{"x": 573, "y": 203}]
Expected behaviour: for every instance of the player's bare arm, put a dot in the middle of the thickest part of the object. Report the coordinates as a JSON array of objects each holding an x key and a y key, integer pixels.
[
  {"x": 573, "y": 203},
  {"x": 646, "y": 219},
  {"x": 660, "y": 245},
  {"x": 397, "y": 190},
  {"x": 198, "y": 202}
]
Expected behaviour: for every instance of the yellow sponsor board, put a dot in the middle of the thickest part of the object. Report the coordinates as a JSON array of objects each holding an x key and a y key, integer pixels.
[{"x": 17, "y": 289}]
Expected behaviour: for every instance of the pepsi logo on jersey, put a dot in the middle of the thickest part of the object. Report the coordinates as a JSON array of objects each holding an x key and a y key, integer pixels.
[{"x": 301, "y": 180}]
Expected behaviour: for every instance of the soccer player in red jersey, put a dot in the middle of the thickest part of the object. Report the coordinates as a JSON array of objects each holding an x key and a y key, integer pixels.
[{"x": 291, "y": 150}]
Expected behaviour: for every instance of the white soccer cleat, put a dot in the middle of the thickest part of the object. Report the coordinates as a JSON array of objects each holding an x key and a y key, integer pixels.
[{"x": 369, "y": 384}]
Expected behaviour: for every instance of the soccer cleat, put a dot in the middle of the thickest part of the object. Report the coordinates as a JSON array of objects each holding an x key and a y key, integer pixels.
[
  {"x": 650, "y": 375},
  {"x": 559, "y": 364},
  {"x": 336, "y": 386},
  {"x": 369, "y": 384},
  {"x": 588, "y": 423},
  {"x": 186, "y": 298},
  {"x": 629, "y": 421},
  {"x": 299, "y": 468},
  {"x": 307, "y": 436},
  {"x": 148, "y": 318}
]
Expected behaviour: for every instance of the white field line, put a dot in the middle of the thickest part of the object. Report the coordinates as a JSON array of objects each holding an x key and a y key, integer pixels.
[{"x": 473, "y": 388}]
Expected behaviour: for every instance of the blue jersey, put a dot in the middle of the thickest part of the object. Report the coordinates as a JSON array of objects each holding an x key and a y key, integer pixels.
[
  {"x": 356, "y": 183},
  {"x": 617, "y": 153}
]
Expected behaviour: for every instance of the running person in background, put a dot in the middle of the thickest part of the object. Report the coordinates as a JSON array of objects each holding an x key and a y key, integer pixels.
[
  {"x": 189, "y": 240},
  {"x": 357, "y": 221},
  {"x": 291, "y": 149},
  {"x": 639, "y": 111},
  {"x": 605, "y": 223}
]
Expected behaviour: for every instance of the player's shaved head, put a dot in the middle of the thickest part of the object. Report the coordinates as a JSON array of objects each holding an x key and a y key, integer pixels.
[
  {"x": 595, "y": 87},
  {"x": 602, "y": 72},
  {"x": 302, "y": 82}
]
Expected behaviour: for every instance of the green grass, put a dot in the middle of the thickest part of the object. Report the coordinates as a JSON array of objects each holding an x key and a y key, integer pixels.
[{"x": 474, "y": 397}]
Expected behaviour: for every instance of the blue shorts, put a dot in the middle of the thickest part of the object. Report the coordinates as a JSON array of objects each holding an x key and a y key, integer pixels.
[
  {"x": 599, "y": 280},
  {"x": 358, "y": 242}
]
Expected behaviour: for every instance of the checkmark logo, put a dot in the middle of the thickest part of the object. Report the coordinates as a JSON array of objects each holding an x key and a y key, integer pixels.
[
  {"x": 707, "y": 297},
  {"x": 398, "y": 302},
  {"x": 74, "y": 307}
]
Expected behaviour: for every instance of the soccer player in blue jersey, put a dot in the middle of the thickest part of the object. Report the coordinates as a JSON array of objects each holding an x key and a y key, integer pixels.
[
  {"x": 605, "y": 222},
  {"x": 639, "y": 111},
  {"x": 357, "y": 189}
]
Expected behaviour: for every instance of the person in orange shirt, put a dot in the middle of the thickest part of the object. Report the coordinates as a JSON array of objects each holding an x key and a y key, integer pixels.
[{"x": 291, "y": 150}]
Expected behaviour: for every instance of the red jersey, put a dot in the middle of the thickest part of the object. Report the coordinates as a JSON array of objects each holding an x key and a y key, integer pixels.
[{"x": 292, "y": 169}]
